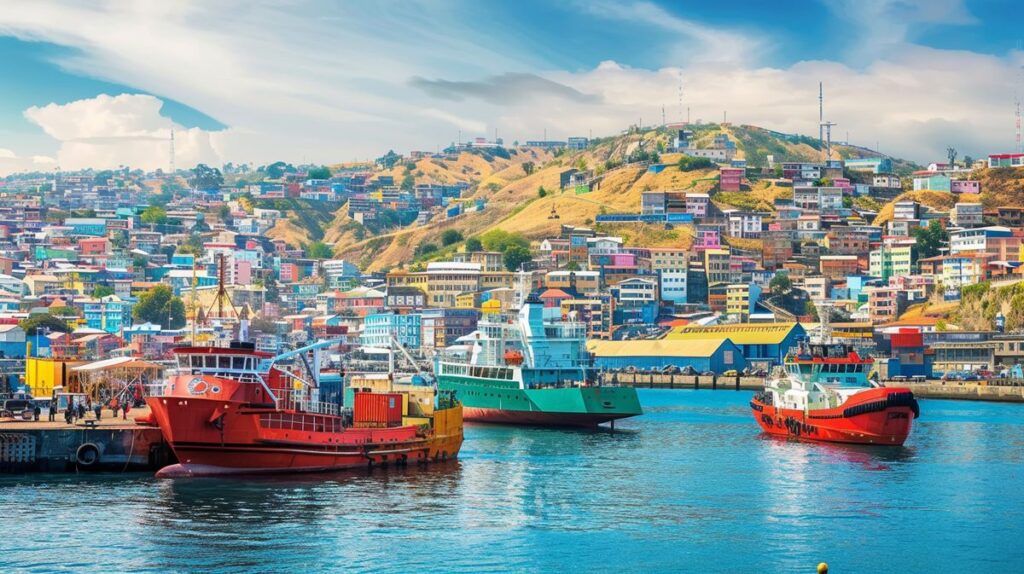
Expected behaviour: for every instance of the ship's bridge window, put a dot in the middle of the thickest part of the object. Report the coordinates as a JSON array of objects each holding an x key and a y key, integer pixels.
[{"x": 238, "y": 363}]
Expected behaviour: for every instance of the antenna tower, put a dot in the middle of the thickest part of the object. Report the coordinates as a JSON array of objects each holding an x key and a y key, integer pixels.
[
  {"x": 821, "y": 114},
  {"x": 172, "y": 150}
]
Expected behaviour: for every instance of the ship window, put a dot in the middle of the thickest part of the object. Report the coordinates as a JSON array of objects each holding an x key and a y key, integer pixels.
[
  {"x": 223, "y": 362},
  {"x": 238, "y": 362},
  {"x": 210, "y": 362}
]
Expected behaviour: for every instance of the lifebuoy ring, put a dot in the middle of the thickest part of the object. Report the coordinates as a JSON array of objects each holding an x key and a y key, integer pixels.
[{"x": 88, "y": 455}]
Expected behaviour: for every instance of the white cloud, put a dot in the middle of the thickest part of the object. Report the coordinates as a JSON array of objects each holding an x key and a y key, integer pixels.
[
  {"x": 339, "y": 85},
  {"x": 10, "y": 162},
  {"x": 108, "y": 131}
]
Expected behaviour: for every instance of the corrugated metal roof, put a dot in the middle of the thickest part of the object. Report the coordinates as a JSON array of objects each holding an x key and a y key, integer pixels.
[
  {"x": 655, "y": 348},
  {"x": 740, "y": 334}
]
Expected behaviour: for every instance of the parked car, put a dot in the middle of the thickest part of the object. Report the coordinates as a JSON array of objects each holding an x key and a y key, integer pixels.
[{"x": 16, "y": 407}]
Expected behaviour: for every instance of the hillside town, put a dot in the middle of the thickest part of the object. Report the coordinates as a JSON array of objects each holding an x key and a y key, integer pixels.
[{"x": 920, "y": 266}]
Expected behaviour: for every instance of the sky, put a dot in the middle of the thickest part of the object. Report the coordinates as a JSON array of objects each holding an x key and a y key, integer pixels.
[{"x": 103, "y": 84}]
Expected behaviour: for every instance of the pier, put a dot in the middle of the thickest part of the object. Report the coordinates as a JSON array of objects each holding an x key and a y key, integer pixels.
[{"x": 109, "y": 444}]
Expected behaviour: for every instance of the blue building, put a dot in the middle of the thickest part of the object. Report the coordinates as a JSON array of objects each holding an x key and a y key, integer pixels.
[
  {"x": 708, "y": 355},
  {"x": 88, "y": 226},
  {"x": 378, "y": 329},
  {"x": 110, "y": 314},
  {"x": 765, "y": 343}
]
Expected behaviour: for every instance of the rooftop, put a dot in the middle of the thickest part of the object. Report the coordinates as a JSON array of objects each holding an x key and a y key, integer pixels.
[{"x": 739, "y": 333}]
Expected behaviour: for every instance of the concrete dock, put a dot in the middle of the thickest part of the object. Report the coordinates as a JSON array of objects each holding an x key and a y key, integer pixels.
[
  {"x": 932, "y": 389},
  {"x": 660, "y": 381},
  {"x": 109, "y": 444}
]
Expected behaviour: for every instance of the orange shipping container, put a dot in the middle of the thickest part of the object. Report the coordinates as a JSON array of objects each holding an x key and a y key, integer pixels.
[{"x": 381, "y": 408}]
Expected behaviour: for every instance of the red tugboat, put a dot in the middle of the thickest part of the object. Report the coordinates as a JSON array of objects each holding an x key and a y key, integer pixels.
[
  {"x": 235, "y": 410},
  {"x": 824, "y": 394}
]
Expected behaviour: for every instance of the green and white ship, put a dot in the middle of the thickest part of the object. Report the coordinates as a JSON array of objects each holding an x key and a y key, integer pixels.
[{"x": 532, "y": 369}]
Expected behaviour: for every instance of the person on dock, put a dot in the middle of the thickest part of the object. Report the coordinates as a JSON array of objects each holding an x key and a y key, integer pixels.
[
  {"x": 124, "y": 410},
  {"x": 113, "y": 406},
  {"x": 98, "y": 409},
  {"x": 69, "y": 413},
  {"x": 53, "y": 409},
  {"x": 36, "y": 411},
  {"x": 81, "y": 409}
]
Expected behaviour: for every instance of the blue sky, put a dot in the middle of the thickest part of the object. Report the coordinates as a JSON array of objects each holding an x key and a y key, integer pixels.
[{"x": 315, "y": 81}]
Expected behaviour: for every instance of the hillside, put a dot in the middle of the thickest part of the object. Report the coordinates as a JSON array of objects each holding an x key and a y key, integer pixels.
[{"x": 514, "y": 203}]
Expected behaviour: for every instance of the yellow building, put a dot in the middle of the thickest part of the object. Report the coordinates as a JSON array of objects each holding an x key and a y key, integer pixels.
[
  {"x": 444, "y": 281},
  {"x": 669, "y": 259},
  {"x": 42, "y": 374},
  {"x": 717, "y": 265}
]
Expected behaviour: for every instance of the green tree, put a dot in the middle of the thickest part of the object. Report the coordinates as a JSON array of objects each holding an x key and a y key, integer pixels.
[
  {"x": 192, "y": 246},
  {"x": 44, "y": 322},
  {"x": 206, "y": 177},
  {"x": 500, "y": 240},
  {"x": 154, "y": 214},
  {"x": 424, "y": 249},
  {"x": 319, "y": 250},
  {"x": 450, "y": 237},
  {"x": 528, "y": 167},
  {"x": 581, "y": 164},
  {"x": 542, "y": 192},
  {"x": 277, "y": 169},
  {"x": 159, "y": 305},
  {"x": 473, "y": 245},
  {"x": 811, "y": 310},
  {"x": 780, "y": 283},
  {"x": 516, "y": 255},
  {"x": 408, "y": 182},
  {"x": 930, "y": 239},
  {"x": 572, "y": 266},
  {"x": 322, "y": 172},
  {"x": 102, "y": 291},
  {"x": 687, "y": 163}
]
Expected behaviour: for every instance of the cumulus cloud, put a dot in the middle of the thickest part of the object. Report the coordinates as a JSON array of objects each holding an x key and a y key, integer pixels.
[
  {"x": 360, "y": 78},
  {"x": 127, "y": 129}
]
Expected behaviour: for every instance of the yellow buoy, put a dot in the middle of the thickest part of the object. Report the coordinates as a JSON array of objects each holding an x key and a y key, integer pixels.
[{"x": 822, "y": 568}]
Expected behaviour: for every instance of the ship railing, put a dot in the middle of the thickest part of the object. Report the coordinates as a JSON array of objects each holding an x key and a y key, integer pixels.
[
  {"x": 299, "y": 400},
  {"x": 304, "y": 422}
]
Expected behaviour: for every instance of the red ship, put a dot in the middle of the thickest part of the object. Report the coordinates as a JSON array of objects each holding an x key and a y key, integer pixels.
[
  {"x": 824, "y": 394},
  {"x": 235, "y": 410}
]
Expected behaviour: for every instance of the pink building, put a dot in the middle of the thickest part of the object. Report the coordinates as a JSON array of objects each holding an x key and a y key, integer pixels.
[
  {"x": 730, "y": 178},
  {"x": 241, "y": 272},
  {"x": 708, "y": 239},
  {"x": 965, "y": 186}
]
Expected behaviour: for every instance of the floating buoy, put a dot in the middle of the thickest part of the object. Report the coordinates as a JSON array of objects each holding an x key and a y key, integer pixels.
[{"x": 822, "y": 568}]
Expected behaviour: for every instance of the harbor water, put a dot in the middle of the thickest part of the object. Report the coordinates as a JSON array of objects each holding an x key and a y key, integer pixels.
[{"x": 690, "y": 486}]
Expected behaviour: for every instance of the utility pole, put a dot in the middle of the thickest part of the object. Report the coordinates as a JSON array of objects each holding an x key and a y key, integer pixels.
[{"x": 821, "y": 114}]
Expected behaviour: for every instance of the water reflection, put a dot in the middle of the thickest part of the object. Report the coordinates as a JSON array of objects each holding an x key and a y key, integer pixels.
[{"x": 691, "y": 485}]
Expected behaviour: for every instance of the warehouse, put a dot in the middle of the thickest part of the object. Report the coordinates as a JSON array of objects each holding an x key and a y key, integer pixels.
[
  {"x": 717, "y": 356},
  {"x": 758, "y": 342}
]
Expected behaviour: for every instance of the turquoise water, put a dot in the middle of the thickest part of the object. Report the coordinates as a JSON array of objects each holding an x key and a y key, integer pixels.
[{"x": 690, "y": 486}]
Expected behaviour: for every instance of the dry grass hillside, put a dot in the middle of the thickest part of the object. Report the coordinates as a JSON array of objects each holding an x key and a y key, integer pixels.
[
  {"x": 513, "y": 202},
  {"x": 937, "y": 200}
]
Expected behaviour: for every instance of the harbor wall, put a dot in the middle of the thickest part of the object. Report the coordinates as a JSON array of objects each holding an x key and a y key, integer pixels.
[
  {"x": 660, "y": 381},
  {"x": 927, "y": 390},
  {"x": 78, "y": 448}
]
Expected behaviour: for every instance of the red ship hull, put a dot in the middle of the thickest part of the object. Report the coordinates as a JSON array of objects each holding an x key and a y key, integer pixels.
[
  {"x": 537, "y": 418},
  {"x": 882, "y": 416},
  {"x": 213, "y": 436}
]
